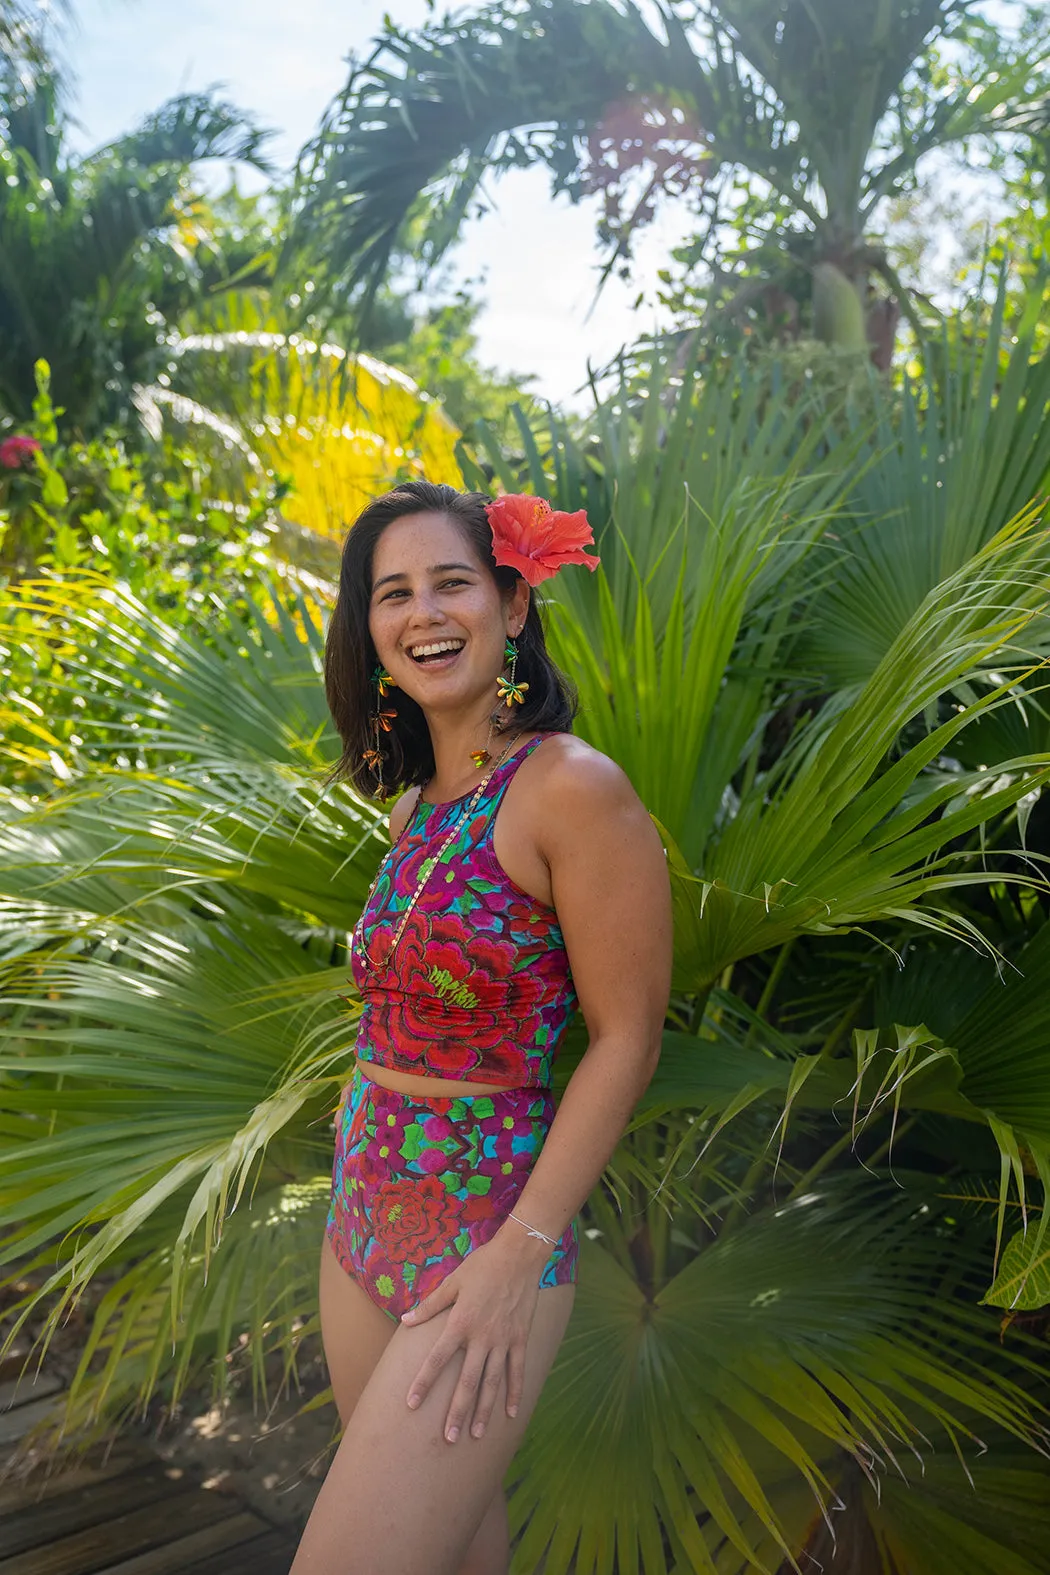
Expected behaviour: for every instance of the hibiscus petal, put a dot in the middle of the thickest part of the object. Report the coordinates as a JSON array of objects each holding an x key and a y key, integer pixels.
[
  {"x": 570, "y": 530},
  {"x": 576, "y": 555},
  {"x": 530, "y": 569}
]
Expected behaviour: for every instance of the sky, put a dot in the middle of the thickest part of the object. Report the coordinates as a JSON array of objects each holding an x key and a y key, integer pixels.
[{"x": 536, "y": 258}]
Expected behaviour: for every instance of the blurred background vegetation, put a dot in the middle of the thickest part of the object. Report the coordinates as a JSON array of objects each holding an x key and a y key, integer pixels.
[{"x": 812, "y": 1329}]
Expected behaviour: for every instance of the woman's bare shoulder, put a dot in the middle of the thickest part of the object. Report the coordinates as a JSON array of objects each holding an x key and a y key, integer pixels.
[
  {"x": 578, "y": 775},
  {"x": 402, "y": 810}
]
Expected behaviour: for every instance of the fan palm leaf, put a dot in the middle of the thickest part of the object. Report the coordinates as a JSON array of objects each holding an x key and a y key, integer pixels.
[
  {"x": 671, "y": 486},
  {"x": 744, "y": 1345},
  {"x": 831, "y": 821},
  {"x": 951, "y": 461}
]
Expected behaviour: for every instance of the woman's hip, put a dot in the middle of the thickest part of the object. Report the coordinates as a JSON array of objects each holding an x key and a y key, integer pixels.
[{"x": 417, "y": 1184}]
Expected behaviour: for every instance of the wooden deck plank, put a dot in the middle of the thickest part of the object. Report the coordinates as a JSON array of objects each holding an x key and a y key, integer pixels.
[
  {"x": 16, "y": 1423},
  {"x": 89, "y": 1505},
  {"x": 243, "y": 1535},
  {"x": 39, "y": 1488},
  {"x": 269, "y": 1555},
  {"x": 125, "y": 1513},
  {"x": 100, "y": 1546},
  {"x": 19, "y": 1388}
]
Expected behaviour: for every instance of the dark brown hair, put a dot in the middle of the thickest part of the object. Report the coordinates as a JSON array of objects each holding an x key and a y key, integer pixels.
[{"x": 350, "y": 657}]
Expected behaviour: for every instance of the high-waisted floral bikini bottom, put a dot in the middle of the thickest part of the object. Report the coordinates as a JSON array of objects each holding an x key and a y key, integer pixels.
[{"x": 418, "y": 1183}]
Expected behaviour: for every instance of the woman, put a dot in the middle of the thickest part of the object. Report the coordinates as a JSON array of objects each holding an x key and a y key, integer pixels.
[{"x": 524, "y": 875}]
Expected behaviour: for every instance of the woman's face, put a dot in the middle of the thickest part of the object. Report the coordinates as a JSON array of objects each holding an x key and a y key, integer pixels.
[{"x": 437, "y": 617}]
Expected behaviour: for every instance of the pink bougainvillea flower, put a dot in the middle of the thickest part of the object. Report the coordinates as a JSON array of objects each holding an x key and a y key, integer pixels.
[
  {"x": 530, "y": 536},
  {"x": 16, "y": 451}
]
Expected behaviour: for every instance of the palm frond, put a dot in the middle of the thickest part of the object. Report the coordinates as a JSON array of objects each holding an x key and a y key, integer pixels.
[
  {"x": 186, "y": 129},
  {"x": 340, "y": 428},
  {"x": 746, "y": 1350},
  {"x": 428, "y": 112},
  {"x": 950, "y": 463}
]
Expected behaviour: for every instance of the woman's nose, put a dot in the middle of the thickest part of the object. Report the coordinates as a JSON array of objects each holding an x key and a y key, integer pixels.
[{"x": 426, "y": 608}]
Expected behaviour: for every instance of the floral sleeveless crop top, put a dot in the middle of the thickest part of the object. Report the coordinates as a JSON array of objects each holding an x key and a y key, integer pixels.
[{"x": 479, "y": 987}]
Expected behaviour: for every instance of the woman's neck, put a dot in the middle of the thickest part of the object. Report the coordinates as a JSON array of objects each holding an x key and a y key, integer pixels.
[{"x": 454, "y": 741}]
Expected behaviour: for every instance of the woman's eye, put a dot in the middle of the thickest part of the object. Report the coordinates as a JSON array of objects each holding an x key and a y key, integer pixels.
[{"x": 398, "y": 591}]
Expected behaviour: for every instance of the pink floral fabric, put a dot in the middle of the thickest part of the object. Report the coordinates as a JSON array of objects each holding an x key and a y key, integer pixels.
[
  {"x": 479, "y": 987},
  {"x": 417, "y": 1184}
]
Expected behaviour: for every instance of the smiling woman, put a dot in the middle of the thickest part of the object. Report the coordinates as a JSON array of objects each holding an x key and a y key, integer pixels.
[
  {"x": 449, "y": 1263},
  {"x": 443, "y": 539}
]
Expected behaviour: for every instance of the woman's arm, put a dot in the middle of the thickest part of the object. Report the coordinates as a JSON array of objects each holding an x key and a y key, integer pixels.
[{"x": 609, "y": 882}]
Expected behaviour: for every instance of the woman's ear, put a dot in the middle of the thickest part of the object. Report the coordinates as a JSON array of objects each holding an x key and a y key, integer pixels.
[{"x": 518, "y": 607}]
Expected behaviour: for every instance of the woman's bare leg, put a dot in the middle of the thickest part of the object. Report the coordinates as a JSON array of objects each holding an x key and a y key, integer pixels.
[
  {"x": 398, "y": 1499},
  {"x": 355, "y": 1333}
]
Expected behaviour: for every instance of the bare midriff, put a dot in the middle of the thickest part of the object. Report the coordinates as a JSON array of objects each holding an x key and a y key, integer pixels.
[{"x": 424, "y": 1087}]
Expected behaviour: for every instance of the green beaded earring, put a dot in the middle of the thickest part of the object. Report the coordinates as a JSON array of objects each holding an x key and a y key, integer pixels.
[{"x": 508, "y": 689}]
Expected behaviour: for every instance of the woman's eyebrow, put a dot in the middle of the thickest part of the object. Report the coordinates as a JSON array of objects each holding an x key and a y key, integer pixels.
[{"x": 435, "y": 568}]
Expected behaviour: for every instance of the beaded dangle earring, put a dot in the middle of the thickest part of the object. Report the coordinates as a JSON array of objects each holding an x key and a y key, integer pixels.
[
  {"x": 382, "y": 721},
  {"x": 508, "y": 689},
  {"x": 481, "y": 757}
]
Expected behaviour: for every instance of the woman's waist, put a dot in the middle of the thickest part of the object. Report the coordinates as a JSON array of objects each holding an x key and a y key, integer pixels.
[
  {"x": 469, "y": 1068},
  {"x": 425, "y": 1085}
]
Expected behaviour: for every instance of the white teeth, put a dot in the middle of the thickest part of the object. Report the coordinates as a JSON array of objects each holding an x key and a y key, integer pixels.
[{"x": 436, "y": 647}]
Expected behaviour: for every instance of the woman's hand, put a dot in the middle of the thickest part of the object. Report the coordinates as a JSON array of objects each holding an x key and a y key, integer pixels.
[{"x": 492, "y": 1296}]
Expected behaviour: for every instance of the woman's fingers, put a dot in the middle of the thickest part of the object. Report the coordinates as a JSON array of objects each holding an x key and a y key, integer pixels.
[
  {"x": 515, "y": 1377},
  {"x": 495, "y": 1367},
  {"x": 441, "y": 1352},
  {"x": 466, "y": 1390}
]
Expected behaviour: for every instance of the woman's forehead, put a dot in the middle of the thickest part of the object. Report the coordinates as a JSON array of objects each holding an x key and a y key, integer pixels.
[{"x": 421, "y": 540}]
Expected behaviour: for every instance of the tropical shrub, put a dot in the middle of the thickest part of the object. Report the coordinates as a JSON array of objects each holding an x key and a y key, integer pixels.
[
  {"x": 93, "y": 257},
  {"x": 337, "y": 427},
  {"x": 779, "y": 1348},
  {"x": 68, "y": 505}
]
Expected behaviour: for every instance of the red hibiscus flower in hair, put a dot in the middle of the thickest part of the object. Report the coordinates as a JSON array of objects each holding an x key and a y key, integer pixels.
[
  {"x": 413, "y": 1219},
  {"x": 17, "y": 450},
  {"x": 530, "y": 536}
]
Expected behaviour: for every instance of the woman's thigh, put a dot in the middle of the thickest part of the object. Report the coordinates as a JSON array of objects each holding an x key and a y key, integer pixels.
[
  {"x": 399, "y": 1499},
  {"x": 354, "y": 1332}
]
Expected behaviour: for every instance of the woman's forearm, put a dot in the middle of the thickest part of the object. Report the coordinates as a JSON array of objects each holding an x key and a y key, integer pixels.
[{"x": 597, "y": 1105}]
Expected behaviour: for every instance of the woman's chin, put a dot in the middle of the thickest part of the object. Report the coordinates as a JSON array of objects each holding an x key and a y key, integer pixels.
[{"x": 452, "y": 697}]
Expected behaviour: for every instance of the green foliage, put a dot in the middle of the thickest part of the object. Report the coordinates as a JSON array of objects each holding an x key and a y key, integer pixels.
[
  {"x": 90, "y": 512},
  {"x": 767, "y": 1332},
  {"x": 76, "y": 505},
  {"x": 784, "y": 126},
  {"x": 93, "y": 258}
]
